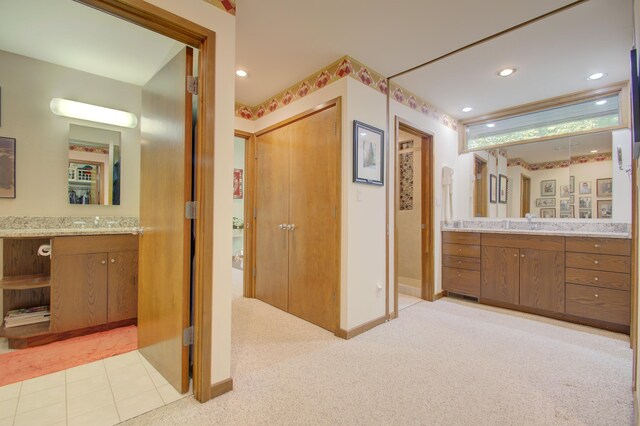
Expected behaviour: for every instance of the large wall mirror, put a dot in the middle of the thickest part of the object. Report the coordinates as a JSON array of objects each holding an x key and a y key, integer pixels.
[{"x": 94, "y": 173}]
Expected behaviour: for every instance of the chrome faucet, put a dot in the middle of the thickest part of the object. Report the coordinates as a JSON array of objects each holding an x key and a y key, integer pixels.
[
  {"x": 96, "y": 221},
  {"x": 530, "y": 217}
]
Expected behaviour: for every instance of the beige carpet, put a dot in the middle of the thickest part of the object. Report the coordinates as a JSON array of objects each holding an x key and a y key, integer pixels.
[{"x": 444, "y": 363}]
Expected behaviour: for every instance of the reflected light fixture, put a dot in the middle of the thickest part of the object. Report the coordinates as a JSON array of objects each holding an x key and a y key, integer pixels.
[
  {"x": 241, "y": 73},
  {"x": 82, "y": 111},
  {"x": 467, "y": 109},
  {"x": 593, "y": 151},
  {"x": 596, "y": 76},
  {"x": 506, "y": 72},
  {"x": 601, "y": 102},
  {"x": 363, "y": 134},
  {"x": 491, "y": 125}
]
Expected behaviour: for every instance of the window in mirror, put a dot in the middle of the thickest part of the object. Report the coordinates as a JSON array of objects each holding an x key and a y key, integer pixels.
[
  {"x": 592, "y": 115},
  {"x": 93, "y": 174}
]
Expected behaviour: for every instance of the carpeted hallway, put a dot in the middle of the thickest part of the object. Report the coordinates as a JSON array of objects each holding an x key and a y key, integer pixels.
[{"x": 446, "y": 363}]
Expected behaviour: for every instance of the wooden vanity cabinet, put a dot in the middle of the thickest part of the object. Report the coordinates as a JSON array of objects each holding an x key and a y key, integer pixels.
[
  {"x": 461, "y": 263},
  {"x": 500, "y": 274},
  {"x": 93, "y": 280}
]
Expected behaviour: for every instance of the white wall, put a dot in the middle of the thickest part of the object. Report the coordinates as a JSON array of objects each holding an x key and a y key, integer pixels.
[
  {"x": 622, "y": 178},
  {"x": 445, "y": 153},
  {"x": 28, "y": 85},
  {"x": 223, "y": 24}
]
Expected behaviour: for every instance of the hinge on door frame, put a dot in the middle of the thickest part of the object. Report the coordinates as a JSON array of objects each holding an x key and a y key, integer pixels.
[
  {"x": 192, "y": 84},
  {"x": 255, "y": 213},
  {"x": 187, "y": 336},
  {"x": 191, "y": 209},
  {"x": 254, "y": 272}
]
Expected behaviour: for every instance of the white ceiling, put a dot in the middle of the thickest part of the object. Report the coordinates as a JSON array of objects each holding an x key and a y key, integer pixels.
[
  {"x": 280, "y": 42},
  {"x": 561, "y": 149},
  {"x": 553, "y": 57},
  {"x": 73, "y": 35}
]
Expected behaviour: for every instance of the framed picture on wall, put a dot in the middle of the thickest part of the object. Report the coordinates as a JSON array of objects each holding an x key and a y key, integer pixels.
[
  {"x": 584, "y": 214},
  {"x": 569, "y": 214},
  {"x": 572, "y": 199},
  {"x": 493, "y": 189},
  {"x": 7, "y": 168},
  {"x": 564, "y": 191},
  {"x": 605, "y": 208},
  {"x": 238, "y": 183},
  {"x": 585, "y": 187},
  {"x": 584, "y": 202},
  {"x": 565, "y": 206},
  {"x": 604, "y": 187},
  {"x": 545, "y": 202},
  {"x": 503, "y": 189},
  {"x": 572, "y": 184},
  {"x": 548, "y": 188},
  {"x": 368, "y": 154},
  {"x": 547, "y": 213}
]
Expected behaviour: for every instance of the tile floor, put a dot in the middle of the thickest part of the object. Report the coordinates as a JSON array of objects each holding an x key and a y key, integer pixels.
[{"x": 104, "y": 392}]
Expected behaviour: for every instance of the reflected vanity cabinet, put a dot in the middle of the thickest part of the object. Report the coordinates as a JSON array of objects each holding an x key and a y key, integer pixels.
[{"x": 93, "y": 280}]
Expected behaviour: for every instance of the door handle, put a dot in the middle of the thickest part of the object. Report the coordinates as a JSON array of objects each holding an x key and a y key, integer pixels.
[
  {"x": 291, "y": 227},
  {"x": 282, "y": 226}
]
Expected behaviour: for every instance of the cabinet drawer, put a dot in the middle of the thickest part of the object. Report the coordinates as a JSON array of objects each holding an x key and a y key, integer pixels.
[
  {"x": 614, "y": 246},
  {"x": 471, "y": 263},
  {"x": 461, "y": 281},
  {"x": 599, "y": 262},
  {"x": 615, "y": 280},
  {"x": 461, "y": 250},
  {"x": 599, "y": 303},
  {"x": 472, "y": 238},
  {"x": 539, "y": 242}
]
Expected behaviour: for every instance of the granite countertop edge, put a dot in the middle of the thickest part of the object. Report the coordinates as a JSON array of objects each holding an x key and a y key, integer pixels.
[
  {"x": 622, "y": 235},
  {"x": 60, "y": 232}
]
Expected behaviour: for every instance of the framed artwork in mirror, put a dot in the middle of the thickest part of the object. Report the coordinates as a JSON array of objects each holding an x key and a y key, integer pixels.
[
  {"x": 585, "y": 187},
  {"x": 7, "y": 168},
  {"x": 605, "y": 208},
  {"x": 604, "y": 187},
  {"x": 368, "y": 154},
  {"x": 584, "y": 214},
  {"x": 548, "y": 188},
  {"x": 572, "y": 184},
  {"x": 547, "y": 213},
  {"x": 565, "y": 206},
  {"x": 584, "y": 202},
  {"x": 493, "y": 189},
  {"x": 572, "y": 199},
  {"x": 503, "y": 189},
  {"x": 545, "y": 202},
  {"x": 568, "y": 214},
  {"x": 564, "y": 191}
]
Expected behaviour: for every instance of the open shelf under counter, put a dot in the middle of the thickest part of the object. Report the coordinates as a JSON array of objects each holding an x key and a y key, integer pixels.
[
  {"x": 25, "y": 282},
  {"x": 25, "y": 331}
]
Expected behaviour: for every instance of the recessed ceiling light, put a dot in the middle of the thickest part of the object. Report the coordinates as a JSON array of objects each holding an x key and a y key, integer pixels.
[
  {"x": 241, "y": 73},
  {"x": 593, "y": 151},
  {"x": 490, "y": 125},
  {"x": 506, "y": 72},
  {"x": 596, "y": 76},
  {"x": 467, "y": 109},
  {"x": 601, "y": 102}
]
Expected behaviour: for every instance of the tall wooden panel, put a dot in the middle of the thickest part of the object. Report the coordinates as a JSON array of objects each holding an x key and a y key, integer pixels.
[
  {"x": 123, "y": 285},
  {"x": 165, "y": 187},
  {"x": 542, "y": 279},
  {"x": 78, "y": 291},
  {"x": 272, "y": 205},
  {"x": 500, "y": 279},
  {"x": 313, "y": 243}
]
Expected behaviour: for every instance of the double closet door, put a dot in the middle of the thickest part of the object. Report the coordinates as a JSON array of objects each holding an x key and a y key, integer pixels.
[{"x": 297, "y": 217}]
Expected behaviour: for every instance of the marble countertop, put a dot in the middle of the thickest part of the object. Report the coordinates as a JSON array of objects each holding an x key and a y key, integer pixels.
[
  {"x": 623, "y": 235},
  {"x": 59, "y": 232},
  {"x": 55, "y": 226}
]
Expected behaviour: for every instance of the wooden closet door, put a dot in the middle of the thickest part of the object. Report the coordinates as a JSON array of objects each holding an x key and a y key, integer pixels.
[
  {"x": 313, "y": 245},
  {"x": 272, "y": 207}
]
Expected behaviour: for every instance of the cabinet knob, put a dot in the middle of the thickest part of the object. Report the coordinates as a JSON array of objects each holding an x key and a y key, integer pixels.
[
  {"x": 459, "y": 275},
  {"x": 522, "y": 255},
  {"x": 597, "y": 295},
  {"x": 596, "y": 262},
  {"x": 596, "y": 245},
  {"x": 515, "y": 255},
  {"x": 103, "y": 262},
  {"x": 596, "y": 279},
  {"x": 459, "y": 250},
  {"x": 113, "y": 261},
  {"x": 459, "y": 262}
]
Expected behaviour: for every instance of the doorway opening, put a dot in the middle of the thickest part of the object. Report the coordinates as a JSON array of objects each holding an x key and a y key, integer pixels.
[
  {"x": 413, "y": 216},
  {"x": 525, "y": 195},
  {"x": 241, "y": 222},
  {"x": 480, "y": 187}
]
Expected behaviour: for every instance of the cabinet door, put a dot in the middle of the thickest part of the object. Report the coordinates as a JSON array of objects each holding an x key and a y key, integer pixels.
[
  {"x": 123, "y": 286},
  {"x": 500, "y": 274},
  {"x": 78, "y": 291},
  {"x": 542, "y": 279}
]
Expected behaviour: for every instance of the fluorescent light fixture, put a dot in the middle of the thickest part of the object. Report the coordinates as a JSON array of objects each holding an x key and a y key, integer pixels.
[
  {"x": 596, "y": 76},
  {"x": 506, "y": 72},
  {"x": 593, "y": 151},
  {"x": 241, "y": 73},
  {"x": 467, "y": 109},
  {"x": 601, "y": 102},
  {"x": 491, "y": 125},
  {"x": 82, "y": 111}
]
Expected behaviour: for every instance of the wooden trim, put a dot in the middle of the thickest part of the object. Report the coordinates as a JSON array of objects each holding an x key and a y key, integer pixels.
[
  {"x": 635, "y": 241},
  {"x": 439, "y": 295},
  {"x": 427, "y": 211},
  {"x": 349, "y": 334},
  {"x": 221, "y": 387},
  {"x": 168, "y": 24},
  {"x": 249, "y": 204},
  {"x": 297, "y": 117}
]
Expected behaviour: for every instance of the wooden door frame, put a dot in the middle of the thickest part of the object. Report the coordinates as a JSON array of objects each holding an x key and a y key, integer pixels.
[
  {"x": 484, "y": 210},
  {"x": 523, "y": 177},
  {"x": 427, "y": 214},
  {"x": 249, "y": 204},
  {"x": 251, "y": 171},
  {"x": 175, "y": 27}
]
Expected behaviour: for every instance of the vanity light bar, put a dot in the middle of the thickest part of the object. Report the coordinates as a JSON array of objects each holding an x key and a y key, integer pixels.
[{"x": 73, "y": 109}]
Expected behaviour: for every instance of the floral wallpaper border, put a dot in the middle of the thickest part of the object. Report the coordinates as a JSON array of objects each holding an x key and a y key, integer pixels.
[
  {"x": 560, "y": 164},
  {"x": 344, "y": 67},
  {"x": 228, "y": 6}
]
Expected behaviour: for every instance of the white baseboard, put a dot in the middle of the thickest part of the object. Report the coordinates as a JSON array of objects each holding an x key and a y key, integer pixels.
[{"x": 409, "y": 290}]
